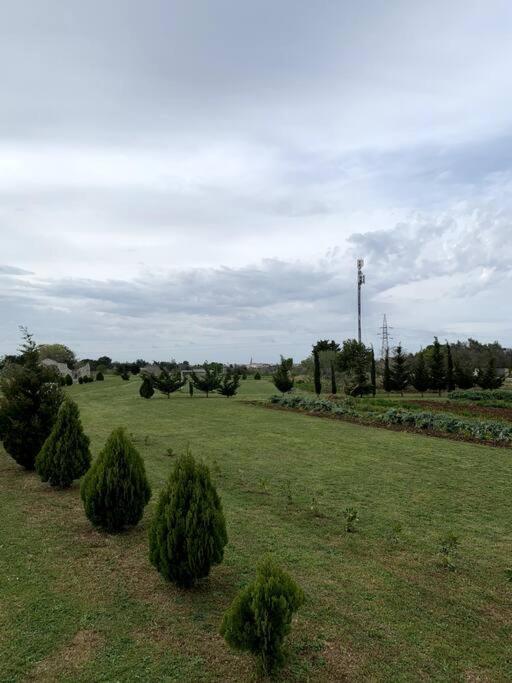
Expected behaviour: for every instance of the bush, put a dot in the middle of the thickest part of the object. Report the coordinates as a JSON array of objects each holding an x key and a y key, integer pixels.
[
  {"x": 68, "y": 380},
  {"x": 100, "y": 377},
  {"x": 261, "y": 614},
  {"x": 209, "y": 380},
  {"x": 257, "y": 375},
  {"x": 281, "y": 378},
  {"x": 29, "y": 402},
  {"x": 229, "y": 384},
  {"x": 146, "y": 388},
  {"x": 80, "y": 380},
  {"x": 481, "y": 395},
  {"x": 115, "y": 490},
  {"x": 168, "y": 382},
  {"x": 188, "y": 532},
  {"x": 125, "y": 376},
  {"x": 65, "y": 454}
]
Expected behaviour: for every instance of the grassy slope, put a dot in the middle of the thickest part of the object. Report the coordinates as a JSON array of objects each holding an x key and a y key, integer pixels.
[{"x": 79, "y": 605}]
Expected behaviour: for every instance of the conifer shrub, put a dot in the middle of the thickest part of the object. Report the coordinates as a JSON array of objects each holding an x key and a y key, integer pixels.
[
  {"x": 146, "y": 388},
  {"x": 65, "y": 454},
  {"x": 69, "y": 380},
  {"x": 257, "y": 375},
  {"x": 115, "y": 490},
  {"x": 80, "y": 380},
  {"x": 188, "y": 532},
  {"x": 229, "y": 384},
  {"x": 99, "y": 376},
  {"x": 190, "y": 389},
  {"x": 261, "y": 614}
]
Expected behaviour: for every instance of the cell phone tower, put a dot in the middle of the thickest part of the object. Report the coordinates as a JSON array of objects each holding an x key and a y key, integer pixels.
[
  {"x": 384, "y": 333},
  {"x": 360, "y": 282}
]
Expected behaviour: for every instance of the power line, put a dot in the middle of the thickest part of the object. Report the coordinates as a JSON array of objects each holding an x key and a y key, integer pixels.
[{"x": 384, "y": 333}]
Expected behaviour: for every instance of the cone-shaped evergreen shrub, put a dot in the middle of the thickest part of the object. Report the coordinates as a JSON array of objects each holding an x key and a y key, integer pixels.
[
  {"x": 99, "y": 376},
  {"x": 65, "y": 454},
  {"x": 188, "y": 532},
  {"x": 146, "y": 388},
  {"x": 69, "y": 380},
  {"x": 260, "y": 616},
  {"x": 115, "y": 490}
]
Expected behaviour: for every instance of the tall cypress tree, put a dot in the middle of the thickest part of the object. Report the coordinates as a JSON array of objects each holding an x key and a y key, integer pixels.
[
  {"x": 450, "y": 378},
  {"x": 146, "y": 388},
  {"x": 373, "y": 373},
  {"x": 399, "y": 370},
  {"x": 334, "y": 388},
  {"x": 437, "y": 368},
  {"x": 387, "y": 381},
  {"x": 420, "y": 377},
  {"x": 316, "y": 376},
  {"x": 463, "y": 376},
  {"x": 489, "y": 378}
]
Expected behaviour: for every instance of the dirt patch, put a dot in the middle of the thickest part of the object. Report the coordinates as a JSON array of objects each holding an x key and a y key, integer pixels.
[
  {"x": 341, "y": 663},
  {"x": 69, "y": 659}
]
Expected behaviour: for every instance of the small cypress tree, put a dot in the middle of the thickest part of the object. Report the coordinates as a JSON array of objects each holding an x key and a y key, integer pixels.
[
  {"x": 80, "y": 380},
  {"x": 488, "y": 378},
  {"x": 257, "y": 375},
  {"x": 450, "y": 378},
  {"x": 437, "y": 368},
  {"x": 317, "y": 379},
  {"x": 260, "y": 616},
  {"x": 334, "y": 388},
  {"x": 65, "y": 454},
  {"x": 190, "y": 388},
  {"x": 115, "y": 490},
  {"x": 281, "y": 378},
  {"x": 373, "y": 373},
  {"x": 420, "y": 377},
  {"x": 146, "y": 388},
  {"x": 125, "y": 376},
  {"x": 68, "y": 380},
  {"x": 399, "y": 371},
  {"x": 168, "y": 382},
  {"x": 100, "y": 377},
  {"x": 188, "y": 532},
  {"x": 229, "y": 384},
  {"x": 387, "y": 380},
  {"x": 208, "y": 381}
]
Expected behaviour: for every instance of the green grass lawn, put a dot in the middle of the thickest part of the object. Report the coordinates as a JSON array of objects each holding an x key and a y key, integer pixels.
[{"x": 80, "y": 605}]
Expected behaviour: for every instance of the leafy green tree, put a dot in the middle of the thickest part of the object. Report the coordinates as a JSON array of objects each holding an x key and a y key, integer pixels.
[
  {"x": 30, "y": 397},
  {"x": 57, "y": 352},
  {"x": 373, "y": 373},
  {"x": 437, "y": 368},
  {"x": 450, "y": 375},
  {"x": 420, "y": 378},
  {"x": 281, "y": 378},
  {"x": 399, "y": 370},
  {"x": 65, "y": 454},
  {"x": 354, "y": 361},
  {"x": 146, "y": 388},
  {"x": 169, "y": 382},
  {"x": 100, "y": 377},
  {"x": 387, "y": 380},
  {"x": 188, "y": 531},
  {"x": 105, "y": 361},
  {"x": 115, "y": 490},
  {"x": 210, "y": 380},
  {"x": 463, "y": 376},
  {"x": 261, "y": 615},
  {"x": 488, "y": 378},
  {"x": 229, "y": 384}
]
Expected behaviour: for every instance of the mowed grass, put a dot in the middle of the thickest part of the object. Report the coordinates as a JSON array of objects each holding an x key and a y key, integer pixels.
[{"x": 80, "y": 605}]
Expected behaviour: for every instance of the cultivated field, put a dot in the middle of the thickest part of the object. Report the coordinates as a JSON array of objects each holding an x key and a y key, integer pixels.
[{"x": 77, "y": 604}]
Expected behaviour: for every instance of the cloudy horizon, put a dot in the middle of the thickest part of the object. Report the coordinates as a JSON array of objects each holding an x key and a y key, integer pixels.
[{"x": 196, "y": 180}]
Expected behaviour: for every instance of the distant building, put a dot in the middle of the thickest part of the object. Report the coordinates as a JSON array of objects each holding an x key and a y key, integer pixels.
[
  {"x": 152, "y": 370},
  {"x": 63, "y": 369}
]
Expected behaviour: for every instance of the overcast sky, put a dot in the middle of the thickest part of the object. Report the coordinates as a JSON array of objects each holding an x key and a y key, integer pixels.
[{"x": 196, "y": 179}]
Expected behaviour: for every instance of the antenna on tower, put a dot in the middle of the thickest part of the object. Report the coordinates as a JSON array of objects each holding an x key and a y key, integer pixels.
[
  {"x": 384, "y": 333},
  {"x": 360, "y": 281}
]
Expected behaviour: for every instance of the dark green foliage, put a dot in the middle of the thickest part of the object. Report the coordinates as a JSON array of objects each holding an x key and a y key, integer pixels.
[
  {"x": 334, "y": 388},
  {"x": 208, "y": 381},
  {"x": 30, "y": 397},
  {"x": 168, "y": 382},
  {"x": 463, "y": 376},
  {"x": 488, "y": 378},
  {"x": 68, "y": 380},
  {"x": 281, "y": 378},
  {"x": 450, "y": 374},
  {"x": 354, "y": 360},
  {"x": 125, "y": 376},
  {"x": 99, "y": 376},
  {"x": 115, "y": 489},
  {"x": 316, "y": 373},
  {"x": 261, "y": 614},
  {"x": 257, "y": 375},
  {"x": 80, "y": 380},
  {"x": 146, "y": 388},
  {"x": 373, "y": 373},
  {"x": 399, "y": 370},
  {"x": 387, "y": 381},
  {"x": 190, "y": 388},
  {"x": 188, "y": 532},
  {"x": 437, "y": 368},
  {"x": 479, "y": 395},
  {"x": 58, "y": 352},
  {"x": 65, "y": 454},
  {"x": 229, "y": 384},
  {"x": 420, "y": 378}
]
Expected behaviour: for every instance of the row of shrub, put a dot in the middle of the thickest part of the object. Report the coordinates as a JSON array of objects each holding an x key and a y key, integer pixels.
[
  {"x": 479, "y": 430},
  {"x": 481, "y": 395}
]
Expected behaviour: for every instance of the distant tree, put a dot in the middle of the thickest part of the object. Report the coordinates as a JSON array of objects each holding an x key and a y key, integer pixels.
[
  {"x": 210, "y": 380},
  {"x": 399, "y": 370},
  {"x": 281, "y": 378},
  {"x": 99, "y": 376},
  {"x": 387, "y": 380},
  {"x": 68, "y": 380},
  {"x": 229, "y": 384},
  {"x": 57, "y": 352},
  {"x": 261, "y": 614},
  {"x": 169, "y": 382},
  {"x": 488, "y": 378},
  {"x": 463, "y": 376},
  {"x": 373, "y": 373},
  {"x": 115, "y": 490},
  {"x": 420, "y": 378},
  {"x": 65, "y": 454},
  {"x": 450, "y": 375},
  {"x": 188, "y": 531},
  {"x": 30, "y": 397},
  {"x": 105, "y": 361},
  {"x": 437, "y": 368},
  {"x": 146, "y": 388}
]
